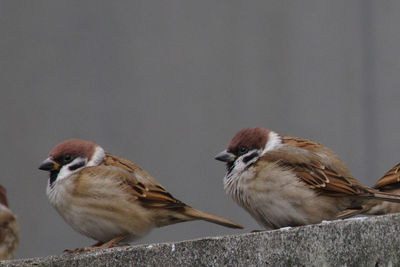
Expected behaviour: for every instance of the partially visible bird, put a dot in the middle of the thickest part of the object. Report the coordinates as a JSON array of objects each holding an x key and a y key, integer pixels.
[
  {"x": 389, "y": 183},
  {"x": 111, "y": 199},
  {"x": 9, "y": 230},
  {"x": 290, "y": 181}
]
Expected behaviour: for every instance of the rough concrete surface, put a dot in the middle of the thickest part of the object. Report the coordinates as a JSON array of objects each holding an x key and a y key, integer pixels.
[{"x": 357, "y": 242}]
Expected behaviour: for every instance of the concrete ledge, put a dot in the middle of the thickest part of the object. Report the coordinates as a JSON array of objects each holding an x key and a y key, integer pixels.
[{"x": 370, "y": 241}]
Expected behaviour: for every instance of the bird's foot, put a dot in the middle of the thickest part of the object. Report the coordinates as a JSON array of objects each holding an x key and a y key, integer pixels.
[{"x": 100, "y": 245}]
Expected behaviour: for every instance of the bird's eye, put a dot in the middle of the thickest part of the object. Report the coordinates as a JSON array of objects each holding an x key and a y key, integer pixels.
[
  {"x": 67, "y": 158},
  {"x": 243, "y": 150}
]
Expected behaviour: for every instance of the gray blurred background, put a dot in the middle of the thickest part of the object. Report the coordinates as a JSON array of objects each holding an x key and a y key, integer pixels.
[{"x": 166, "y": 84}]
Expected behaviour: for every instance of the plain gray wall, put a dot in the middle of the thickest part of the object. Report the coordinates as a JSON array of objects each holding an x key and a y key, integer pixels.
[{"x": 166, "y": 84}]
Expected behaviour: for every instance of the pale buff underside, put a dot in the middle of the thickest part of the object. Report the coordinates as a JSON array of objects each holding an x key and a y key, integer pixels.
[
  {"x": 87, "y": 211},
  {"x": 276, "y": 198}
]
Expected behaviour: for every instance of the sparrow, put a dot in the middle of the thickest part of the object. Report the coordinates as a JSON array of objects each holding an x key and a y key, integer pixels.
[
  {"x": 389, "y": 183},
  {"x": 286, "y": 181},
  {"x": 9, "y": 229},
  {"x": 111, "y": 199}
]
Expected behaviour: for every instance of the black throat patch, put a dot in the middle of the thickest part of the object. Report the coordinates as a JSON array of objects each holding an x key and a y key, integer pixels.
[{"x": 53, "y": 177}]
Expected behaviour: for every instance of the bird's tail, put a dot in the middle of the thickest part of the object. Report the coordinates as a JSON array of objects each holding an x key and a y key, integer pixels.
[
  {"x": 387, "y": 196},
  {"x": 366, "y": 209},
  {"x": 350, "y": 213},
  {"x": 201, "y": 215}
]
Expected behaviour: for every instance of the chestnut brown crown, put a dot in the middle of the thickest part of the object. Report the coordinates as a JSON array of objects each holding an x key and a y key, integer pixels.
[
  {"x": 73, "y": 148},
  {"x": 248, "y": 139}
]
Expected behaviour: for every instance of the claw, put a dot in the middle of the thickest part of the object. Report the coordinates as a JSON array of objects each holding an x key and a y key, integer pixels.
[{"x": 100, "y": 245}]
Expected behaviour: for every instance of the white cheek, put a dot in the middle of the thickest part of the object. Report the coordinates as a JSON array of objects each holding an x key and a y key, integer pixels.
[
  {"x": 65, "y": 171},
  {"x": 240, "y": 165}
]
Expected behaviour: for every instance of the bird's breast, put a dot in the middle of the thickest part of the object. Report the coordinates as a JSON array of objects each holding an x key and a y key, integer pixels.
[
  {"x": 276, "y": 198},
  {"x": 98, "y": 207}
]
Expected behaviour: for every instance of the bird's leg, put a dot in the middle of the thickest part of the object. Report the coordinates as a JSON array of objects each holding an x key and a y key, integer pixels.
[
  {"x": 84, "y": 249},
  {"x": 113, "y": 242},
  {"x": 99, "y": 245}
]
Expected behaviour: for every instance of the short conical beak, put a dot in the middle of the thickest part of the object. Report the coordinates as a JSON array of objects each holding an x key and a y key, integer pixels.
[
  {"x": 225, "y": 156},
  {"x": 49, "y": 165}
]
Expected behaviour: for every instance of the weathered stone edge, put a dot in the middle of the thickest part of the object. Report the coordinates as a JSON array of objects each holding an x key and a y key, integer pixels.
[{"x": 358, "y": 242}]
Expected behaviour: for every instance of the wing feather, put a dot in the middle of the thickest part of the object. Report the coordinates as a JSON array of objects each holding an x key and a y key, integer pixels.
[
  {"x": 308, "y": 162},
  {"x": 391, "y": 178},
  {"x": 142, "y": 186}
]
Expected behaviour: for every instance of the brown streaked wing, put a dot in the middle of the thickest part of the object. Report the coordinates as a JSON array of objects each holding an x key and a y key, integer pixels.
[
  {"x": 112, "y": 160},
  {"x": 392, "y": 177},
  {"x": 150, "y": 194},
  {"x": 300, "y": 142},
  {"x": 153, "y": 196},
  {"x": 319, "y": 177}
]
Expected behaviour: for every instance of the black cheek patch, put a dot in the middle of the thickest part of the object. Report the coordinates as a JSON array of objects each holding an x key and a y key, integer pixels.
[
  {"x": 250, "y": 157},
  {"x": 76, "y": 166}
]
